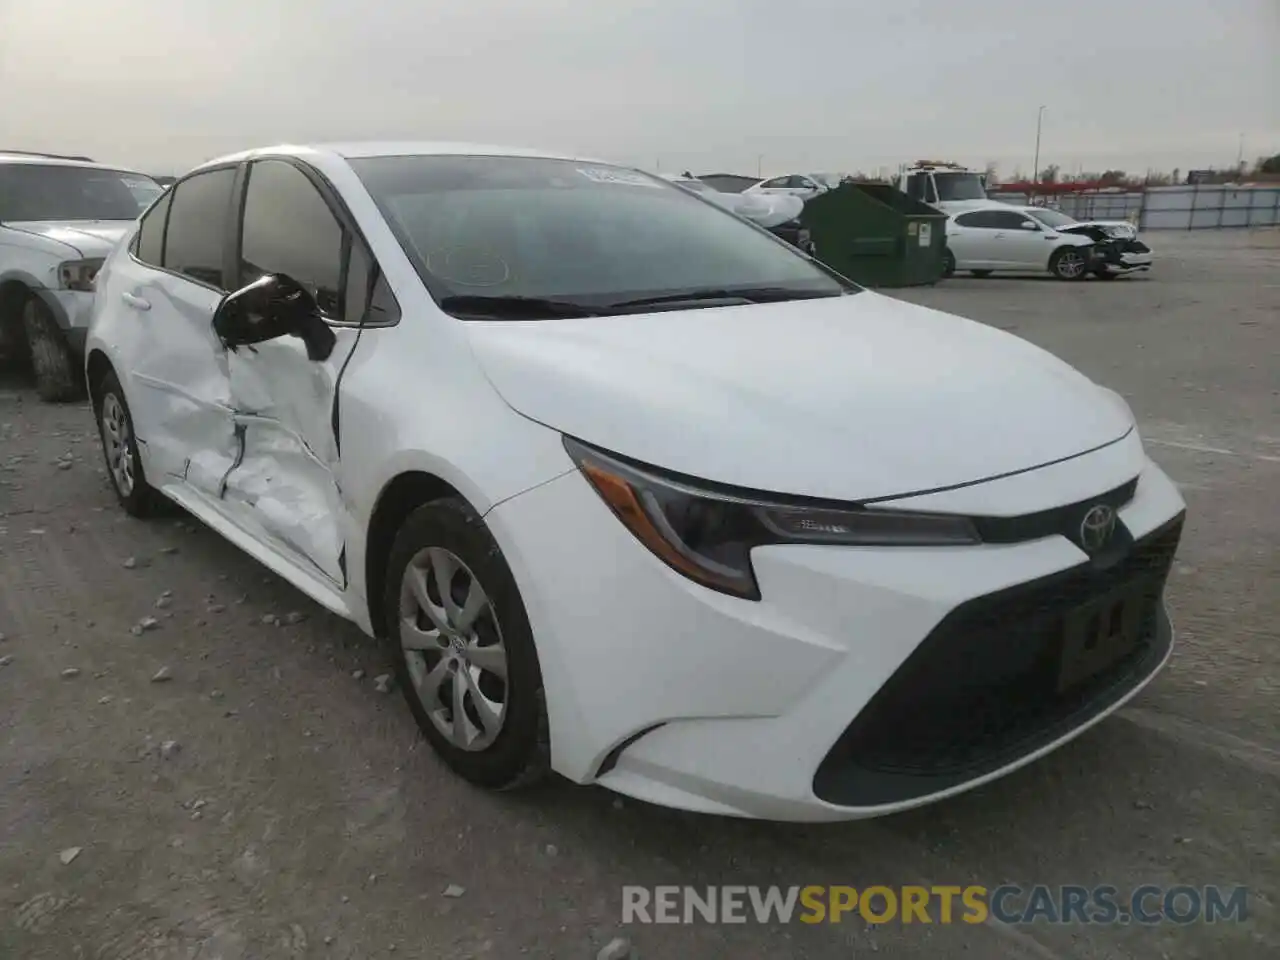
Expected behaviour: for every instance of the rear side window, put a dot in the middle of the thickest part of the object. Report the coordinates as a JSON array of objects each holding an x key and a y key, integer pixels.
[
  {"x": 289, "y": 229},
  {"x": 198, "y": 216},
  {"x": 987, "y": 219},
  {"x": 149, "y": 247}
]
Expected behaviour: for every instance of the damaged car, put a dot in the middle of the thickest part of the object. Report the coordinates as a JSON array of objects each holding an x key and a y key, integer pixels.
[
  {"x": 628, "y": 489},
  {"x": 1116, "y": 247},
  {"x": 59, "y": 217}
]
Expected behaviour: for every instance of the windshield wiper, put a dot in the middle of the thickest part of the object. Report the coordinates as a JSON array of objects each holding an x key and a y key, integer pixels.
[
  {"x": 516, "y": 308},
  {"x": 750, "y": 294}
]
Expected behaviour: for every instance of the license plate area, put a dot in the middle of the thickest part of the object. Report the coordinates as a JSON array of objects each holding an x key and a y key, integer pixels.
[{"x": 1099, "y": 633}]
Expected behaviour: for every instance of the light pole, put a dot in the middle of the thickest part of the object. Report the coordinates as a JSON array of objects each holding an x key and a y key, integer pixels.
[{"x": 1035, "y": 169}]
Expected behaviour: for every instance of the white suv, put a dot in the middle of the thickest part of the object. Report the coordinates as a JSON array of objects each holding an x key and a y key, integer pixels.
[{"x": 59, "y": 217}]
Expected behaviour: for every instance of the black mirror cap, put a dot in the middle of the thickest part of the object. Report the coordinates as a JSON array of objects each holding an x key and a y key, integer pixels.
[{"x": 273, "y": 306}]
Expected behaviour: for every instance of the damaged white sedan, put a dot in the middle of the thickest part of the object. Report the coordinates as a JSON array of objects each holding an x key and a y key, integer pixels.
[{"x": 631, "y": 489}]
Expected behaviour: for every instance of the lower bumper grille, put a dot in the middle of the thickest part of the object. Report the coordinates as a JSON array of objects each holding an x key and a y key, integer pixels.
[{"x": 991, "y": 683}]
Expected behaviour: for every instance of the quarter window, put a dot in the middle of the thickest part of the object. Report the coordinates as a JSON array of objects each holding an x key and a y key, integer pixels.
[
  {"x": 197, "y": 232},
  {"x": 289, "y": 229}
]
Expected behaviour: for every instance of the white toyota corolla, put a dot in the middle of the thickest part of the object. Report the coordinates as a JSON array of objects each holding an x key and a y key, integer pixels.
[{"x": 635, "y": 491}]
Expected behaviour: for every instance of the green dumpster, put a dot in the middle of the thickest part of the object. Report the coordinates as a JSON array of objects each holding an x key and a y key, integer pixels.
[{"x": 876, "y": 235}]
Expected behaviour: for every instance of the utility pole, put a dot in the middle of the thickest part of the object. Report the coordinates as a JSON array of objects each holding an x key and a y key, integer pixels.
[
  {"x": 1240, "y": 155},
  {"x": 1035, "y": 168},
  {"x": 759, "y": 165}
]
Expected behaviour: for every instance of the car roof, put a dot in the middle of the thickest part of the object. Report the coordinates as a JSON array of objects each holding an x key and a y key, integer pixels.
[
  {"x": 394, "y": 148},
  {"x": 42, "y": 160}
]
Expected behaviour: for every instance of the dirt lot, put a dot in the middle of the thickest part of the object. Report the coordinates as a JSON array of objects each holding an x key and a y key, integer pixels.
[{"x": 267, "y": 801}]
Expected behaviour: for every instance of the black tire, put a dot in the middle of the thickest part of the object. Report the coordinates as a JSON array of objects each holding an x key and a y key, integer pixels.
[
  {"x": 1105, "y": 274},
  {"x": 140, "y": 499},
  {"x": 520, "y": 754},
  {"x": 981, "y": 274},
  {"x": 1067, "y": 263},
  {"x": 948, "y": 264},
  {"x": 59, "y": 377}
]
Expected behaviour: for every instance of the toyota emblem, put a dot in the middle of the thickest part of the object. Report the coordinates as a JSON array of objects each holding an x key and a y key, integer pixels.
[{"x": 1097, "y": 526}]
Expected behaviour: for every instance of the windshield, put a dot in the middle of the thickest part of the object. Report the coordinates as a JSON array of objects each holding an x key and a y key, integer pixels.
[
  {"x": 959, "y": 186},
  {"x": 1051, "y": 218},
  {"x": 35, "y": 191},
  {"x": 583, "y": 234},
  {"x": 830, "y": 180}
]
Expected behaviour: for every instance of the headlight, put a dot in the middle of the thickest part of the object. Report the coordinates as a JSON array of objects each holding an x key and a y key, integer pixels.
[
  {"x": 707, "y": 535},
  {"x": 1121, "y": 232},
  {"x": 79, "y": 274}
]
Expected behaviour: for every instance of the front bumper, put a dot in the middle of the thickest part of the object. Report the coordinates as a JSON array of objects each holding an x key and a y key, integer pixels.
[
  {"x": 1124, "y": 256},
  {"x": 866, "y": 681}
]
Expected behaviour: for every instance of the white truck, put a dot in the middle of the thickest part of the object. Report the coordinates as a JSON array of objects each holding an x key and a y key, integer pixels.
[{"x": 948, "y": 186}]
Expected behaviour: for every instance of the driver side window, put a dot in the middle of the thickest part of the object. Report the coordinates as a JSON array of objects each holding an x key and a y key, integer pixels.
[{"x": 289, "y": 229}]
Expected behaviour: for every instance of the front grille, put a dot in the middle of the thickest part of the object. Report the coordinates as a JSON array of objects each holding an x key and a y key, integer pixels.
[{"x": 982, "y": 689}]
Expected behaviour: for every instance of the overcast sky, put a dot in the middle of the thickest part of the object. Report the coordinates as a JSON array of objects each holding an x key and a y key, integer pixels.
[{"x": 711, "y": 85}]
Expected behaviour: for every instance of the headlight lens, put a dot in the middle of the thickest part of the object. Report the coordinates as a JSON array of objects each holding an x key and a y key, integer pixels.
[
  {"x": 708, "y": 535},
  {"x": 79, "y": 274}
]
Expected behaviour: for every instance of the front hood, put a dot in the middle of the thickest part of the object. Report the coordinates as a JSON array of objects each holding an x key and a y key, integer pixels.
[
  {"x": 93, "y": 238},
  {"x": 849, "y": 398}
]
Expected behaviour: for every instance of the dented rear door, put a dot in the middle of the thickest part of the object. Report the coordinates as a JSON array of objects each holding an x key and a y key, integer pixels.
[{"x": 165, "y": 293}]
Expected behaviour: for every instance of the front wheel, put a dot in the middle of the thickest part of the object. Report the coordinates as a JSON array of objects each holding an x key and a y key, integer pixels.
[
  {"x": 58, "y": 375},
  {"x": 1068, "y": 263},
  {"x": 463, "y": 648}
]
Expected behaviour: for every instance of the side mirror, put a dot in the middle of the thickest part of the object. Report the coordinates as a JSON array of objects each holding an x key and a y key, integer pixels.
[
  {"x": 1028, "y": 225},
  {"x": 271, "y": 307}
]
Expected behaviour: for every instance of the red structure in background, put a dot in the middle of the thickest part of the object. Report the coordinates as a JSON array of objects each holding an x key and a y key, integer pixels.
[{"x": 1051, "y": 189}]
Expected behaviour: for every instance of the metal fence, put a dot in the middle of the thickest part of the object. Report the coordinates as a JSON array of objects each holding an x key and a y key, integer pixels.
[{"x": 1190, "y": 207}]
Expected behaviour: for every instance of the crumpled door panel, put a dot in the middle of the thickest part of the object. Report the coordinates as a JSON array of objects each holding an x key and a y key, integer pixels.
[
  {"x": 183, "y": 410},
  {"x": 285, "y": 480}
]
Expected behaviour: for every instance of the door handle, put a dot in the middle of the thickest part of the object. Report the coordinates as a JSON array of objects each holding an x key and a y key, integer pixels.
[{"x": 135, "y": 301}]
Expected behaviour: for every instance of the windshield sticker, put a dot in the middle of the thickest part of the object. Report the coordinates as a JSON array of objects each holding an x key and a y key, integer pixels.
[{"x": 613, "y": 175}]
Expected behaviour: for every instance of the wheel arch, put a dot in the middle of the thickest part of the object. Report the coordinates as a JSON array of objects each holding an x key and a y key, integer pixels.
[
  {"x": 399, "y": 497},
  {"x": 97, "y": 366},
  {"x": 14, "y": 292}
]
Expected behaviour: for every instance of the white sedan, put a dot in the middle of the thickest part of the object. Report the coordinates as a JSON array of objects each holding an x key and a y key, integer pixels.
[
  {"x": 999, "y": 236},
  {"x": 630, "y": 490}
]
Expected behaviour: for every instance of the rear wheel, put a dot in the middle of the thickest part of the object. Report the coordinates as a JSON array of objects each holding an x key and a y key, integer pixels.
[
  {"x": 981, "y": 274},
  {"x": 58, "y": 375},
  {"x": 120, "y": 450},
  {"x": 463, "y": 648},
  {"x": 1068, "y": 263}
]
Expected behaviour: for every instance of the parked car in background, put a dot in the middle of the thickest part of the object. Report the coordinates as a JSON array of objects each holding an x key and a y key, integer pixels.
[
  {"x": 629, "y": 489},
  {"x": 777, "y": 213},
  {"x": 1117, "y": 249},
  {"x": 1000, "y": 237},
  {"x": 59, "y": 217},
  {"x": 800, "y": 184}
]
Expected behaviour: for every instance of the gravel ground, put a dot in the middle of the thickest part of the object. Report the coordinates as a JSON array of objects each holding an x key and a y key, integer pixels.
[{"x": 237, "y": 787}]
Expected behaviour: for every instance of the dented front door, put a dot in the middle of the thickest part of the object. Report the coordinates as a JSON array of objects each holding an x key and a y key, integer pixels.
[{"x": 285, "y": 482}]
